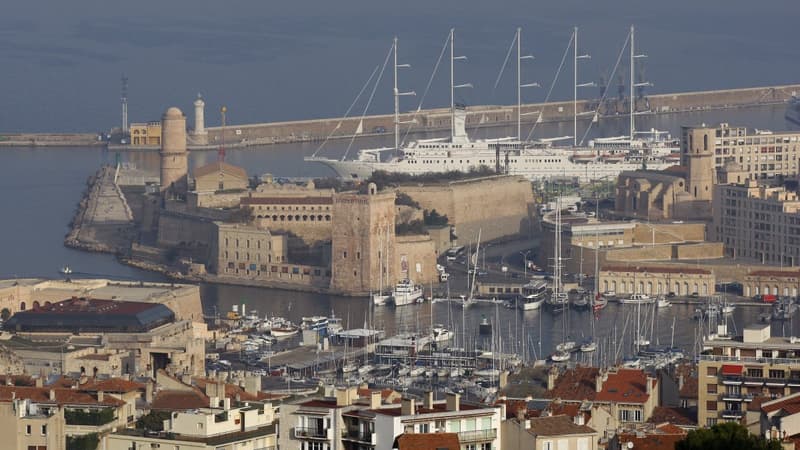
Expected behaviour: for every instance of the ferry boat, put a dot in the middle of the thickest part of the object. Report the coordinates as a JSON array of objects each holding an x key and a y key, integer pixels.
[
  {"x": 406, "y": 293},
  {"x": 536, "y": 294},
  {"x": 641, "y": 299}
]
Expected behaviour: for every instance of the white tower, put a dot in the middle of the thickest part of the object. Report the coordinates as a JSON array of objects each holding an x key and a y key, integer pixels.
[{"x": 200, "y": 132}]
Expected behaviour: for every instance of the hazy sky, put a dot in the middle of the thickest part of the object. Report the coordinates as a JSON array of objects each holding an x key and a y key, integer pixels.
[{"x": 269, "y": 60}]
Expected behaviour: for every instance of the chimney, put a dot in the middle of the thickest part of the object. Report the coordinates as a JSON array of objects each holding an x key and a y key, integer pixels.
[
  {"x": 503, "y": 381},
  {"x": 345, "y": 396},
  {"x": 598, "y": 382},
  {"x": 375, "y": 399},
  {"x": 429, "y": 400},
  {"x": 408, "y": 407},
  {"x": 148, "y": 392},
  {"x": 39, "y": 382},
  {"x": 252, "y": 384},
  {"x": 578, "y": 420},
  {"x": 213, "y": 402},
  {"x": 522, "y": 411},
  {"x": 186, "y": 379},
  {"x": 649, "y": 382},
  {"x": 100, "y": 395},
  {"x": 52, "y": 395},
  {"x": 211, "y": 389},
  {"x": 453, "y": 402},
  {"x": 680, "y": 382},
  {"x": 226, "y": 403},
  {"x": 552, "y": 376}
]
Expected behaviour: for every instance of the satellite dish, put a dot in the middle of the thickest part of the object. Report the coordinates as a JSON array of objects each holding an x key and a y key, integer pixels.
[{"x": 630, "y": 444}]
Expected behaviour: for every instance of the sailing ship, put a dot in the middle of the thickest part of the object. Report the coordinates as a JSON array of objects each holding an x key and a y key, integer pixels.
[{"x": 537, "y": 160}]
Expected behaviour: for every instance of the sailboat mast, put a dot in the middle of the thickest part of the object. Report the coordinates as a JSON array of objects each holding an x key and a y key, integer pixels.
[
  {"x": 633, "y": 102},
  {"x": 575, "y": 88},
  {"x": 396, "y": 101},
  {"x": 452, "y": 86},
  {"x": 519, "y": 84}
]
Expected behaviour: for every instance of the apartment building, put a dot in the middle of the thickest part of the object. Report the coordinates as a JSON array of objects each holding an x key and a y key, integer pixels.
[
  {"x": 549, "y": 433},
  {"x": 757, "y": 222},
  {"x": 220, "y": 426},
  {"x": 734, "y": 372}
]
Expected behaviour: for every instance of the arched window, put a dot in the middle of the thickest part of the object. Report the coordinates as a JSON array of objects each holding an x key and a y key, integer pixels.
[
  {"x": 22, "y": 306},
  {"x": 35, "y": 304},
  {"x": 328, "y": 218}
]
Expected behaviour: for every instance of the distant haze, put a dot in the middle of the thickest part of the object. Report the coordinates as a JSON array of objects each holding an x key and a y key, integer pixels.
[{"x": 284, "y": 60}]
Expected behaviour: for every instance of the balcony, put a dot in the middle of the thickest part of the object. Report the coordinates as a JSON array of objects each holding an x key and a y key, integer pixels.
[
  {"x": 366, "y": 437},
  {"x": 755, "y": 381},
  {"x": 732, "y": 414},
  {"x": 477, "y": 436},
  {"x": 730, "y": 397},
  {"x": 310, "y": 433},
  {"x": 732, "y": 380}
]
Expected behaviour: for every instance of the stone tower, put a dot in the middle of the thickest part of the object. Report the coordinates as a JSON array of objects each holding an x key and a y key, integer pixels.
[
  {"x": 174, "y": 157},
  {"x": 697, "y": 153},
  {"x": 200, "y": 133},
  {"x": 363, "y": 241}
]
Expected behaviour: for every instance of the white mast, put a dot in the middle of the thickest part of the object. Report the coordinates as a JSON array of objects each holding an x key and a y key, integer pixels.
[
  {"x": 454, "y": 86},
  {"x": 519, "y": 82},
  {"x": 576, "y": 85},
  {"x": 634, "y": 84},
  {"x": 397, "y": 95}
]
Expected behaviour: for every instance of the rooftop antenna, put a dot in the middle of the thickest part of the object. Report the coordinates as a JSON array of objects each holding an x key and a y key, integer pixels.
[{"x": 124, "y": 105}]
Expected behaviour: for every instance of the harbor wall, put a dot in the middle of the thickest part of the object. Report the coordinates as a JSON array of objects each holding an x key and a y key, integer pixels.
[
  {"x": 490, "y": 115},
  {"x": 420, "y": 253},
  {"x": 506, "y": 205}
]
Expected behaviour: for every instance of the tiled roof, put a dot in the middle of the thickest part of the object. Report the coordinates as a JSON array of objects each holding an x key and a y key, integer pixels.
[
  {"x": 111, "y": 385},
  {"x": 232, "y": 390},
  {"x": 774, "y": 273},
  {"x": 173, "y": 400},
  {"x": 674, "y": 415},
  {"x": 366, "y": 392},
  {"x": 664, "y": 437},
  {"x": 789, "y": 404},
  {"x": 17, "y": 380},
  {"x": 576, "y": 384},
  {"x": 626, "y": 385},
  {"x": 428, "y": 441},
  {"x": 512, "y": 406},
  {"x": 63, "y": 396},
  {"x": 557, "y": 426}
]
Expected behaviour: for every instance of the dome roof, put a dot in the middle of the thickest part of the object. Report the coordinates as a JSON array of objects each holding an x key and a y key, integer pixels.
[{"x": 173, "y": 113}]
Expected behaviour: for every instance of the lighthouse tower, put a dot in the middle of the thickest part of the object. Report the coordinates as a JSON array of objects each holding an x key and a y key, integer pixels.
[
  {"x": 200, "y": 133},
  {"x": 174, "y": 157}
]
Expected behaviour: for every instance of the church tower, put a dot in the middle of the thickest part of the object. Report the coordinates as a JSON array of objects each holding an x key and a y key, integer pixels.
[{"x": 697, "y": 153}]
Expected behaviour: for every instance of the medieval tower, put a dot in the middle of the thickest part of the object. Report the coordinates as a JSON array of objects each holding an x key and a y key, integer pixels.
[
  {"x": 697, "y": 154},
  {"x": 174, "y": 157}
]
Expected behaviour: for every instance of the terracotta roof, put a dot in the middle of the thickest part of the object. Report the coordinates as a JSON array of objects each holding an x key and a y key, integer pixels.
[
  {"x": 557, "y": 426},
  {"x": 790, "y": 404},
  {"x": 512, "y": 406},
  {"x": 232, "y": 390},
  {"x": 319, "y": 403},
  {"x": 655, "y": 269},
  {"x": 63, "y": 396},
  {"x": 676, "y": 170},
  {"x": 17, "y": 380},
  {"x": 111, "y": 385},
  {"x": 366, "y": 392},
  {"x": 309, "y": 200},
  {"x": 216, "y": 166},
  {"x": 774, "y": 273},
  {"x": 626, "y": 385},
  {"x": 576, "y": 384},
  {"x": 690, "y": 381},
  {"x": 428, "y": 441},
  {"x": 674, "y": 415},
  {"x": 172, "y": 400},
  {"x": 664, "y": 437}
]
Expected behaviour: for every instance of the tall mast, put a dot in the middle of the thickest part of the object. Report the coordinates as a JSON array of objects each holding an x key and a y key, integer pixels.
[
  {"x": 576, "y": 85},
  {"x": 397, "y": 94},
  {"x": 452, "y": 86},
  {"x": 634, "y": 84},
  {"x": 519, "y": 82}
]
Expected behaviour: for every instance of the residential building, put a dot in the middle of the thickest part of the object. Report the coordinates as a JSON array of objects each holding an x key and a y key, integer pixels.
[
  {"x": 549, "y": 433},
  {"x": 220, "y": 425},
  {"x": 427, "y": 441},
  {"x": 757, "y": 222},
  {"x": 737, "y": 371},
  {"x": 662, "y": 436},
  {"x": 615, "y": 397},
  {"x": 780, "y": 418}
]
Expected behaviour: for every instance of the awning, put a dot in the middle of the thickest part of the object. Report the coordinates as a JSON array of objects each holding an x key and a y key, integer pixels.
[{"x": 732, "y": 369}]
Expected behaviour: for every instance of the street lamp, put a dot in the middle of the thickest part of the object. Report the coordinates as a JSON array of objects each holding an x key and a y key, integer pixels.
[{"x": 525, "y": 261}]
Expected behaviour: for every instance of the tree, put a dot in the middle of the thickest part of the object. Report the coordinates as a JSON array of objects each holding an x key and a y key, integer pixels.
[
  {"x": 5, "y": 314},
  {"x": 433, "y": 218},
  {"x": 154, "y": 421},
  {"x": 725, "y": 436}
]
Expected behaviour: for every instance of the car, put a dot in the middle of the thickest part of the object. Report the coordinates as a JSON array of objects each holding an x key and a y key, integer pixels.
[
  {"x": 451, "y": 257},
  {"x": 694, "y": 295},
  {"x": 482, "y": 273}
]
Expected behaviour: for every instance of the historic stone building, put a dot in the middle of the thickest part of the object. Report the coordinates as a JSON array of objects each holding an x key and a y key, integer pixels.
[
  {"x": 145, "y": 134},
  {"x": 174, "y": 156},
  {"x": 653, "y": 280},
  {"x": 245, "y": 250},
  {"x": 220, "y": 176}
]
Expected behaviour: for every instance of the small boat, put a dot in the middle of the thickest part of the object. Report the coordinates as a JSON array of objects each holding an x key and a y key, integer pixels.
[
  {"x": 380, "y": 299},
  {"x": 588, "y": 346},
  {"x": 532, "y": 302},
  {"x": 600, "y": 302},
  {"x": 728, "y": 309},
  {"x": 284, "y": 330},
  {"x": 403, "y": 371},
  {"x": 560, "y": 356},
  {"x": 406, "y": 293},
  {"x": 634, "y": 299},
  {"x": 441, "y": 333},
  {"x": 365, "y": 369},
  {"x": 485, "y": 327},
  {"x": 581, "y": 300},
  {"x": 567, "y": 346},
  {"x": 65, "y": 270},
  {"x": 455, "y": 373},
  {"x": 642, "y": 342},
  {"x": 441, "y": 373},
  {"x": 349, "y": 367},
  {"x": 487, "y": 373},
  {"x": 429, "y": 373},
  {"x": 662, "y": 302},
  {"x": 417, "y": 372}
]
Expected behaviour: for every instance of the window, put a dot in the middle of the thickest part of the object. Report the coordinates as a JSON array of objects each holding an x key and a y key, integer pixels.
[
  {"x": 28, "y": 430},
  {"x": 486, "y": 446},
  {"x": 711, "y": 405},
  {"x": 711, "y": 371},
  {"x": 470, "y": 447},
  {"x": 440, "y": 426},
  {"x": 547, "y": 445},
  {"x": 424, "y": 428},
  {"x": 44, "y": 430},
  {"x": 711, "y": 389}
]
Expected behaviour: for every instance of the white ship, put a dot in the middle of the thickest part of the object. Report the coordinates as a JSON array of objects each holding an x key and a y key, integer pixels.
[
  {"x": 406, "y": 293},
  {"x": 604, "y": 158}
]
